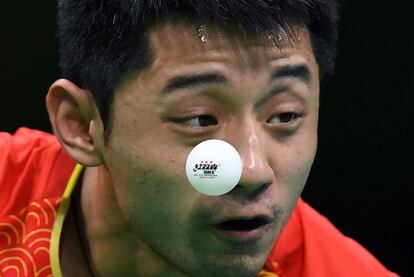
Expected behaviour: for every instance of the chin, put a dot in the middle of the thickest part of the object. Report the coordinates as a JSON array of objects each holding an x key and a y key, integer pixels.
[
  {"x": 233, "y": 272},
  {"x": 231, "y": 266}
]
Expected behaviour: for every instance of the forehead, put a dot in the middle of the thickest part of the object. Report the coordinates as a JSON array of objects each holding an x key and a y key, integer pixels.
[{"x": 179, "y": 43}]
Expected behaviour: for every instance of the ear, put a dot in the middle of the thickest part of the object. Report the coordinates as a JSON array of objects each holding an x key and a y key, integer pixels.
[{"x": 76, "y": 122}]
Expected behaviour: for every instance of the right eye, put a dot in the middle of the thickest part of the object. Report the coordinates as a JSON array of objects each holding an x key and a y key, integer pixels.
[{"x": 198, "y": 121}]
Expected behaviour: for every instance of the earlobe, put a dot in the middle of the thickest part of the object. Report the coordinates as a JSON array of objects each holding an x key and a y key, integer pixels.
[{"x": 76, "y": 122}]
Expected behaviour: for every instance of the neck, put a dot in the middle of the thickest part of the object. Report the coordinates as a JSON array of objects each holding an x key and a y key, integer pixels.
[{"x": 114, "y": 249}]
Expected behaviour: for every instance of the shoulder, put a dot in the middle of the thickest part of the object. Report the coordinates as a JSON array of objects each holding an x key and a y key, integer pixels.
[
  {"x": 28, "y": 161},
  {"x": 23, "y": 144},
  {"x": 33, "y": 173},
  {"x": 329, "y": 251},
  {"x": 321, "y": 249},
  {"x": 25, "y": 149}
]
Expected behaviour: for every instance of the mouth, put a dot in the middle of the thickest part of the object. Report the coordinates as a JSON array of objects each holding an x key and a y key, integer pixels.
[{"x": 243, "y": 229}]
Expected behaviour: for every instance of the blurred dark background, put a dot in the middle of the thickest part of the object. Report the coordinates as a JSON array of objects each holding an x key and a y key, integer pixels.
[{"x": 362, "y": 179}]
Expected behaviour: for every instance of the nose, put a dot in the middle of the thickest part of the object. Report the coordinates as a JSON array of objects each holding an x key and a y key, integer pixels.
[{"x": 257, "y": 172}]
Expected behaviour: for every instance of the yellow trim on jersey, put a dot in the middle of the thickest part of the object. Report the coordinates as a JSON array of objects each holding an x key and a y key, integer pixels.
[
  {"x": 60, "y": 218},
  {"x": 265, "y": 273}
]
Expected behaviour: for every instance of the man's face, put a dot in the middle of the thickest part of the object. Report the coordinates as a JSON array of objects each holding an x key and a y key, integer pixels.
[{"x": 261, "y": 99}]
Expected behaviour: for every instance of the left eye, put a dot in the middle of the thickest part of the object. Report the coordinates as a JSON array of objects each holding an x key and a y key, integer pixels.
[{"x": 284, "y": 118}]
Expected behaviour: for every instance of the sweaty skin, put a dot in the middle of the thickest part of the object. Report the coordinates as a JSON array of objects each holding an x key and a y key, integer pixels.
[{"x": 141, "y": 216}]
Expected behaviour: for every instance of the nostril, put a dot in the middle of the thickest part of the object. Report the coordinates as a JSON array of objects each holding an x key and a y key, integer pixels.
[
  {"x": 256, "y": 176},
  {"x": 250, "y": 191}
]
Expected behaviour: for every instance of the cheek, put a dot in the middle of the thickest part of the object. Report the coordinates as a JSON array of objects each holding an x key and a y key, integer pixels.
[
  {"x": 151, "y": 190},
  {"x": 157, "y": 208},
  {"x": 294, "y": 165},
  {"x": 301, "y": 170}
]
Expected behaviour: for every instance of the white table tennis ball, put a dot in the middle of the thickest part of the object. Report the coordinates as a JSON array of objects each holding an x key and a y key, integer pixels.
[{"x": 213, "y": 167}]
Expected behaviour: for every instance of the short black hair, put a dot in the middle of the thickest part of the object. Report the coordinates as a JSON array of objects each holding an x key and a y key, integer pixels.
[{"x": 101, "y": 40}]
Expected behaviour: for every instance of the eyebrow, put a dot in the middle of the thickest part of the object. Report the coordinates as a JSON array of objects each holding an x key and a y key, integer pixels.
[
  {"x": 300, "y": 72},
  {"x": 194, "y": 80}
]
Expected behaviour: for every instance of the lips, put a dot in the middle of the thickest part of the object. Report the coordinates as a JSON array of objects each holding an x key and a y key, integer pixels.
[
  {"x": 242, "y": 224},
  {"x": 243, "y": 228}
]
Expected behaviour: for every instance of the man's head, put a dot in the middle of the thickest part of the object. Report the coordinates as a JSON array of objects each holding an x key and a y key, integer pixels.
[{"x": 246, "y": 73}]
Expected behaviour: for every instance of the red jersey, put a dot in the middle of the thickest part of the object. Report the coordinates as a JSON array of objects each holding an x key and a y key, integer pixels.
[{"x": 36, "y": 180}]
